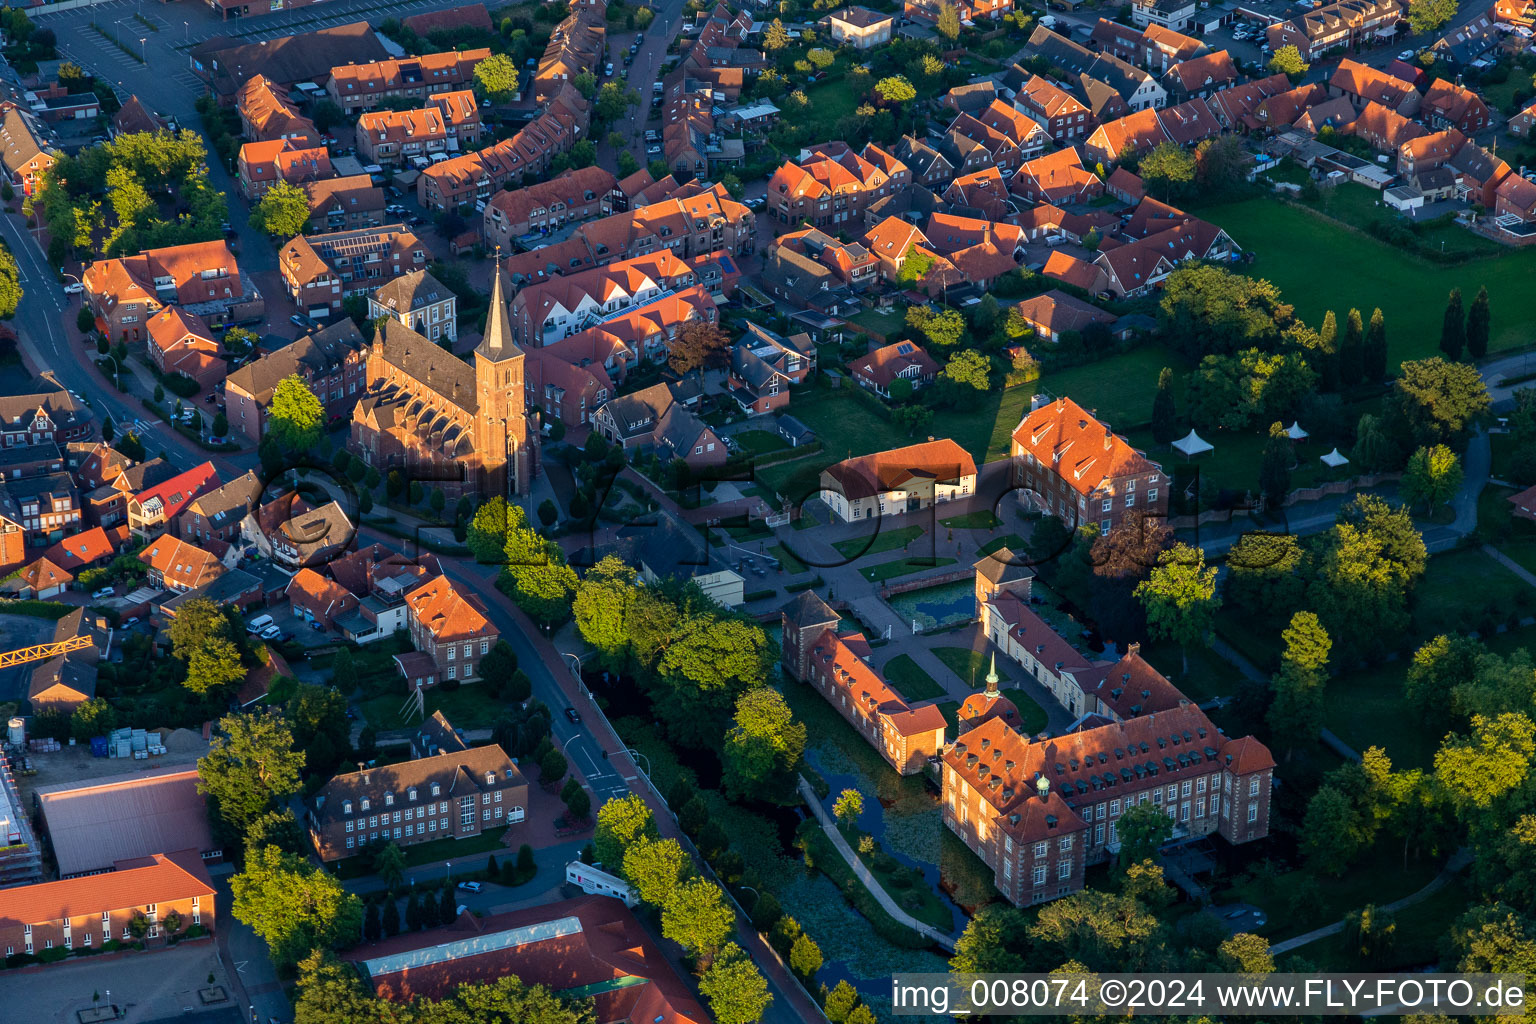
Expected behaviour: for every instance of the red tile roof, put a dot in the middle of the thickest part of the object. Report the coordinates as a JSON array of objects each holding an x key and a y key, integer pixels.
[
  {"x": 942, "y": 460},
  {"x": 166, "y": 878},
  {"x": 81, "y": 549},
  {"x": 180, "y": 489},
  {"x": 445, "y": 613},
  {"x": 1081, "y": 450}
]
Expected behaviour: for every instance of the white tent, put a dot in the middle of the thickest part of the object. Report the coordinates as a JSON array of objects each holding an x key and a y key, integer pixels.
[
  {"x": 1295, "y": 433},
  {"x": 1192, "y": 444},
  {"x": 1333, "y": 459}
]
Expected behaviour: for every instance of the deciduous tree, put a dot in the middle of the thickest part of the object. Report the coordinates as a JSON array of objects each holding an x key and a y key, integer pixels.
[
  {"x": 296, "y": 417},
  {"x": 1180, "y": 598},
  {"x": 1287, "y": 61},
  {"x": 763, "y": 746},
  {"x": 252, "y": 766},
  {"x": 735, "y": 988},
  {"x": 621, "y": 823},
  {"x": 697, "y": 918},
  {"x": 293, "y": 905},
  {"x": 496, "y": 77},
  {"x": 1432, "y": 476}
]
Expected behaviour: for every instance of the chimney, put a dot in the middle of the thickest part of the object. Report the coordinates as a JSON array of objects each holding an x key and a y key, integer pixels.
[
  {"x": 1109, "y": 437},
  {"x": 1133, "y": 649}
]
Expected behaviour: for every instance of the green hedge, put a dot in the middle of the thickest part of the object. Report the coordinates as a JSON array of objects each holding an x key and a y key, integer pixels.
[{"x": 37, "y": 609}]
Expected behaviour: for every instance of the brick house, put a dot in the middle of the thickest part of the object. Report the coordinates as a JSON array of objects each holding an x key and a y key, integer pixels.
[
  {"x": 901, "y": 480},
  {"x": 264, "y": 164},
  {"x": 1063, "y": 116},
  {"x": 1337, "y": 26},
  {"x": 179, "y": 565},
  {"x": 658, "y": 418},
  {"x": 1072, "y": 466},
  {"x": 151, "y": 511},
  {"x": 216, "y": 515},
  {"x": 180, "y": 343},
  {"x": 1448, "y": 105},
  {"x": 320, "y": 270},
  {"x": 832, "y": 185},
  {"x": 463, "y": 179},
  {"x": 25, "y": 158},
  {"x": 88, "y": 911},
  {"x": 455, "y": 795},
  {"x": 200, "y": 277},
  {"x": 317, "y": 599},
  {"x": 360, "y": 87},
  {"x": 419, "y": 301},
  {"x": 569, "y": 197},
  {"x": 345, "y": 203},
  {"x": 815, "y": 652},
  {"x": 449, "y": 626},
  {"x": 878, "y": 369},
  {"x": 395, "y": 137},
  {"x": 331, "y": 361}
]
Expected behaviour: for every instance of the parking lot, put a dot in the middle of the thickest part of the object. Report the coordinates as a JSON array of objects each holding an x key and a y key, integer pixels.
[{"x": 145, "y": 987}]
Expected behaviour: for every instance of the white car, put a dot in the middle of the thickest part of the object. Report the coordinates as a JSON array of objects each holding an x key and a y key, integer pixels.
[
  {"x": 271, "y": 633},
  {"x": 394, "y": 208},
  {"x": 1406, "y": 55},
  {"x": 103, "y": 592},
  {"x": 74, "y": 288}
]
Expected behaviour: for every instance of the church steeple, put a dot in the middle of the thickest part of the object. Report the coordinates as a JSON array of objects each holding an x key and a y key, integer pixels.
[{"x": 497, "y": 344}]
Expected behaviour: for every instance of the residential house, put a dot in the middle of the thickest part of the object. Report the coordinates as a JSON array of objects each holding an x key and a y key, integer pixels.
[
  {"x": 363, "y": 87},
  {"x": 47, "y": 418},
  {"x": 1515, "y": 202},
  {"x": 320, "y": 270},
  {"x": 1062, "y": 116},
  {"x": 1520, "y": 125},
  {"x": 1169, "y": 14},
  {"x": 1448, "y": 105},
  {"x": 879, "y": 368},
  {"x": 1058, "y": 178},
  {"x": 658, "y": 418},
  {"x": 1384, "y": 128},
  {"x": 850, "y": 262},
  {"x": 1478, "y": 174},
  {"x": 267, "y": 115},
  {"x": 292, "y": 534},
  {"x": 968, "y": 10},
  {"x": 569, "y": 197},
  {"x": 859, "y": 27},
  {"x": 563, "y": 390},
  {"x": 1068, "y": 269},
  {"x": 179, "y": 565},
  {"x": 45, "y": 508},
  {"x": 475, "y": 176},
  {"x": 393, "y": 138},
  {"x": 419, "y": 301},
  {"x": 450, "y": 627},
  {"x": 264, "y": 164},
  {"x": 23, "y": 153},
  {"x": 180, "y": 343},
  {"x": 151, "y": 511},
  {"x": 346, "y": 203},
  {"x": 133, "y": 116},
  {"x": 1054, "y": 313},
  {"x": 544, "y": 312},
  {"x": 1362, "y": 84},
  {"x": 461, "y": 117},
  {"x": 214, "y": 517},
  {"x": 763, "y": 365},
  {"x": 898, "y": 481},
  {"x": 284, "y": 61},
  {"x": 319, "y": 600},
  {"x": 457, "y": 795},
  {"x": 818, "y": 652},
  {"x": 200, "y": 277},
  {"x": 1102, "y": 79},
  {"x": 1203, "y": 76},
  {"x": 665, "y": 548},
  {"x": 1339, "y": 26},
  {"x": 831, "y": 185},
  {"x": 331, "y": 361},
  {"x": 39, "y": 580}
]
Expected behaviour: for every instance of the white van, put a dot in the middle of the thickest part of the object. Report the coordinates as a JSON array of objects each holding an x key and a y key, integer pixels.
[{"x": 258, "y": 624}]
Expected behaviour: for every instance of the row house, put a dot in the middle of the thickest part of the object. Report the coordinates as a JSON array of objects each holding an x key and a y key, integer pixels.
[
  {"x": 266, "y": 115},
  {"x": 1338, "y": 26},
  {"x": 1361, "y": 84},
  {"x": 1004, "y": 136},
  {"x": 45, "y": 508},
  {"x": 453, "y": 795},
  {"x": 1203, "y": 76},
  {"x": 900, "y": 480},
  {"x": 1038, "y": 811},
  {"x": 1155, "y": 47},
  {"x": 47, "y": 419},
  {"x": 1385, "y": 129},
  {"x": 836, "y": 664},
  {"x": 642, "y": 333},
  {"x": 345, "y": 203},
  {"x": 1062, "y": 116},
  {"x": 928, "y": 11},
  {"x": 577, "y": 44},
  {"x": 1137, "y": 134},
  {"x": 360, "y": 87},
  {"x": 319, "y": 600},
  {"x": 547, "y": 311},
  {"x": 461, "y": 116},
  {"x": 832, "y": 185},
  {"x": 569, "y": 197},
  {"x": 332, "y": 362},
  {"x": 152, "y": 510},
  {"x": 850, "y": 262},
  {"x": 395, "y": 137},
  {"x": 200, "y": 277},
  {"x": 161, "y": 894},
  {"x": 450, "y": 627},
  {"x": 179, "y": 565},
  {"x": 1070, "y": 465},
  {"x": 321, "y": 270},
  {"x": 24, "y": 154},
  {"x": 1101, "y": 78},
  {"x": 926, "y": 163},
  {"x": 180, "y": 343},
  {"x": 264, "y": 164},
  {"x": 1448, "y": 105},
  {"x": 462, "y": 180},
  {"x": 214, "y": 516},
  {"x": 1237, "y": 107}
]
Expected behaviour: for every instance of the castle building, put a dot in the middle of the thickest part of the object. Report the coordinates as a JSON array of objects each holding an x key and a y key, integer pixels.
[{"x": 462, "y": 427}]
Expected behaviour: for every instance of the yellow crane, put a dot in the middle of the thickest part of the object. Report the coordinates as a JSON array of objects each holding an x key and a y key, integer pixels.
[{"x": 41, "y": 652}]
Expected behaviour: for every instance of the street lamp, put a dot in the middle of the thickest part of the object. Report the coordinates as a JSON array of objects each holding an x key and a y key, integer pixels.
[
  {"x": 143, "y": 59},
  {"x": 633, "y": 753},
  {"x": 575, "y": 663}
]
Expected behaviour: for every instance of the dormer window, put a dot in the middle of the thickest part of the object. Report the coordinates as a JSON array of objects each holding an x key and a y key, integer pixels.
[
  {"x": 365, "y": 803},
  {"x": 410, "y": 794},
  {"x": 436, "y": 789},
  {"x": 389, "y": 799},
  {"x": 346, "y": 807}
]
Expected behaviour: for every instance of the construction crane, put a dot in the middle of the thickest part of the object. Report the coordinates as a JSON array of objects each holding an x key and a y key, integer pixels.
[{"x": 41, "y": 652}]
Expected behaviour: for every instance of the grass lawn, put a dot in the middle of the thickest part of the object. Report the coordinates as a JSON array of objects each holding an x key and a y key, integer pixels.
[
  {"x": 905, "y": 885},
  {"x": 435, "y": 853},
  {"x": 902, "y": 567},
  {"x": 1209, "y": 674},
  {"x": 760, "y": 442},
  {"x": 1461, "y": 589},
  {"x": 787, "y": 559},
  {"x": 950, "y": 709},
  {"x": 1012, "y": 541},
  {"x": 1368, "y": 709},
  {"x": 1120, "y": 388},
  {"x": 969, "y": 665},
  {"x": 1032, "y": 717},
  {"x": 883, "y": 322},
  {"x": 885, "y": 540},
  {"x": 1379, "y": 876},
  {"x": 468, "y": 707},
  {"x": 908, "y": 677},
  {"x": 1419, "y": 929},
  {"x": 981, "y": 519},
  {"x": 1411, "y": 292},
  {"x": 830, "y": 102}
]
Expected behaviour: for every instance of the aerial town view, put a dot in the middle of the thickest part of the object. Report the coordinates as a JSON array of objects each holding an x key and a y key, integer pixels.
[{"x": 662, "y": 512}]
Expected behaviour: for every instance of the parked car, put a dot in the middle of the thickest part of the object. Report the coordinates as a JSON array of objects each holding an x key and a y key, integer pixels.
[
  {"x": 271, "y": 633},
  {"x": 130, "y": 620},
  {"x": 573, "y": 715},
  {"x": 300, "y": 320},
  {"x": 470, "y": 886},
  {"x": 103, "y": 592},
  {"x": 653, "y": 150},
  {"x": 608, "y": 70},
  {"x": 74, "y": 288},
  {"x": 394, "y": 208},
  {"x": 1406, "y": 55}
]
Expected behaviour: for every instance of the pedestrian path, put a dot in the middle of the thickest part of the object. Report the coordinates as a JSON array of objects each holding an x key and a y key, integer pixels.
[
  {"x": 1460, "y": 859},
  {"x": 863, "y": 874}
]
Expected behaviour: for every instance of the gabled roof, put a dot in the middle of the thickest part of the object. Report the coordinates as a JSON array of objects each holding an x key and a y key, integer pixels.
[
  {"x": 158, "y": 878},
  {"x": 447, "y": 614},
  {"x": 941, "y": 461},
  {"x": 1074, "y": 445},
  {"x": 180, "y": 489}
]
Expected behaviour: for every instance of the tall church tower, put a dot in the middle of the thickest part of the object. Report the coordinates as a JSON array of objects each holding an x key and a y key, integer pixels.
[{"x": 506, "y": 441}]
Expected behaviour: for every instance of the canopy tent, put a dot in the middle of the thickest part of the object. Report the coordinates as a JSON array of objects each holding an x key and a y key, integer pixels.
[
  {"x": 1333, "y": 459},
  {"x": 1295, "y": 433},
  {"x": 1192, "y": 444}
]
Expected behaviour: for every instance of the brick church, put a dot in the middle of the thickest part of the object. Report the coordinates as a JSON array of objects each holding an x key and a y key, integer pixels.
[{"x": 462, "y": 427}]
